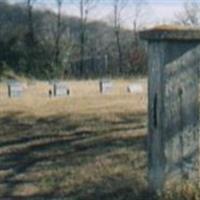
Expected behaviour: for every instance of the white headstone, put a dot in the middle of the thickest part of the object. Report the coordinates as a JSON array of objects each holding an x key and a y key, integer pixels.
[
  {"x": 106, "y": 86},
  {"x": 61, "y": 89},
  {"x": 135, "y": 88},
  {"x": 15, "y": 89}
]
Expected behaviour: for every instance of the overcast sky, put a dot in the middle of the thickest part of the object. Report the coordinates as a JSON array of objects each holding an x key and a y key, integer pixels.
[{"x": 154, "y": 11}]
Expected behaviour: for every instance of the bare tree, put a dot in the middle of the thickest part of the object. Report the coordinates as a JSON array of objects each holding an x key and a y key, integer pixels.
[
  {"x": 30, "y": 37},
  {"x": 118, "y": 6},
  {"x": 138, "y": 15},
  {"x": 138, "y": 57},
  {"x": 190, "y": 14},
  {"x": 58, "y": 33},
  {"x": 85, "y": 7},
  {"x": 31, "y": 32}
]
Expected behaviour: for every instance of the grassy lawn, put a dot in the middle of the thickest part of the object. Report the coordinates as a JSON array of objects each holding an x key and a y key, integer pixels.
[{"x": 87, "y": 146}]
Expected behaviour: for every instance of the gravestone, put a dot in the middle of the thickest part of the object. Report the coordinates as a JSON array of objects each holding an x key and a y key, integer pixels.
[
  {"x": 135, "y": 88},
  {"x": 60, "y": 89},
  {"x": 173, "y": 106},
  {"x": 15, "y": 89},
  {"x": 105, "y": 86}
]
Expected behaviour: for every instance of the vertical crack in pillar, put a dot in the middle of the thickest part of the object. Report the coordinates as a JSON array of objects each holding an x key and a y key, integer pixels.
[{"x": 180, "y": 96}]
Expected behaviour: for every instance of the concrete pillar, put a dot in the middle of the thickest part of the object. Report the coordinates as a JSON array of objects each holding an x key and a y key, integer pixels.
[{"x": 173, "y": 106}]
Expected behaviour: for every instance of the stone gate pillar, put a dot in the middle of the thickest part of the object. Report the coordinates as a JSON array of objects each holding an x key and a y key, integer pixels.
[{"x": 173, "y": 106}]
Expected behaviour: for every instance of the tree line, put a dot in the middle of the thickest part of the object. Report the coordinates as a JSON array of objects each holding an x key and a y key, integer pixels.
[{"x": 44, "y": 44}]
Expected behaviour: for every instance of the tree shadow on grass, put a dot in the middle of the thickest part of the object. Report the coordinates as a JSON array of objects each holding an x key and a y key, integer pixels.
[
  {"x": 22, "y": 148},
  {"x": 113, "y": 188}
]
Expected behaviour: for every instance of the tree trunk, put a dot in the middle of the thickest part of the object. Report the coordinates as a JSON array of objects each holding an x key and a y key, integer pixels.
[
  {"x": 82, "y": 38},
  {"x": 120, "y": 56},
  {"x": 30, "y": 39},
  {"x": 31, "y": 35},
  {"x": 58, "y": 37}
]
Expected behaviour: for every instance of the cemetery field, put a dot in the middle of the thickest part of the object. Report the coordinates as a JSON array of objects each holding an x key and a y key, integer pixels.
[{"x": 86, "y": 146}]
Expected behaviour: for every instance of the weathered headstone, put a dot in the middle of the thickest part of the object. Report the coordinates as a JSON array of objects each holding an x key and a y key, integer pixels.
[
  {"x": 135, "y": 88},
  {"x": 105, "y": 86},
  {"x": 61, "y": 89},
  {"x": 174, "y": 59},
  {"x": 15, "y": 89}
]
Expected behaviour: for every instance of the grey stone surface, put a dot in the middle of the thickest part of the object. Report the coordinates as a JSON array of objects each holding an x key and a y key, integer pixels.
[
  {"x": 166, "y": 32},
  {"x": 105, "y": 86},
  {"x": 173, "y": 140}
]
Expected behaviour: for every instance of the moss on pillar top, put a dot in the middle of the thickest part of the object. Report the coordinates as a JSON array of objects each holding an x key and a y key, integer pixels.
[{"x": 171, "y": 32}]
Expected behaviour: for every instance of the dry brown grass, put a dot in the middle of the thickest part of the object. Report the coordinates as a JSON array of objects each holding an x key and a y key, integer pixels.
[
  {"x": 86, "y": 146},
  {"x": 83, "y": 147}
]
